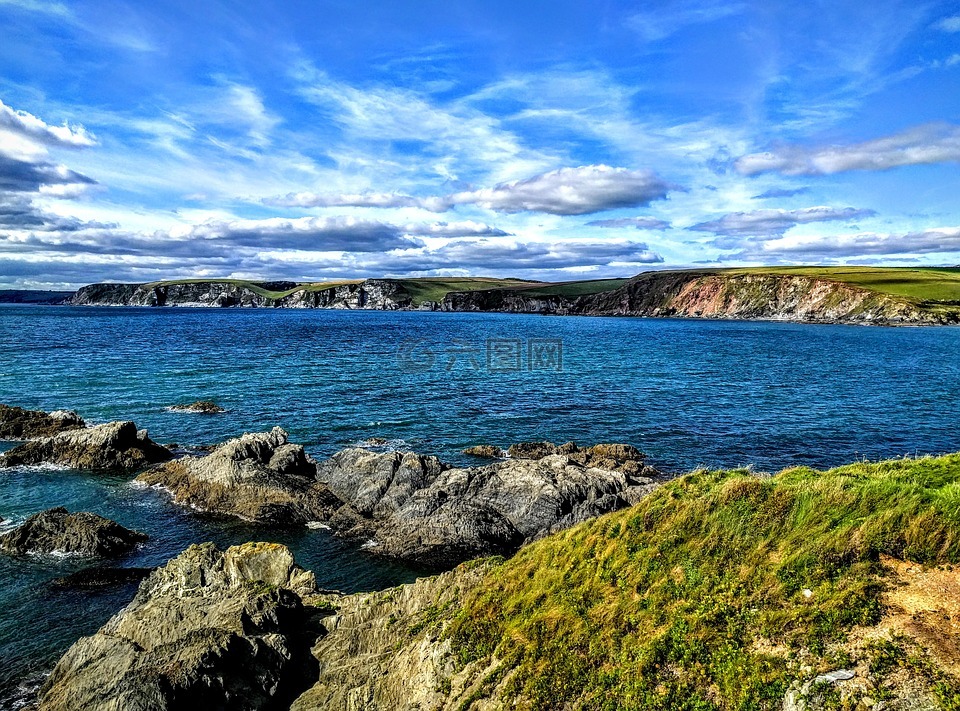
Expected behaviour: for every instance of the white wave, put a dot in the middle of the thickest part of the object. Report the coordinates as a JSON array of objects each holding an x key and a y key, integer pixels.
[
  {"x": 370, "y": 543},
  {"x": 318, "y": 525}
]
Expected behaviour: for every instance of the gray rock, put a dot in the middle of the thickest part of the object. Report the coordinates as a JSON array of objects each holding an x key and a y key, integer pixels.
[
  {"x": 418, "y": 509},
  {"x": 58, "y": 531},
  {"x": 211, "y": 629},
  {"x": 485, "y": 451},
  {"x": 200, "y": 407},
  {"x": 259, "y": 477},
  {"x": 17, "y": 423},
  {"x": 115, "y": 445}
]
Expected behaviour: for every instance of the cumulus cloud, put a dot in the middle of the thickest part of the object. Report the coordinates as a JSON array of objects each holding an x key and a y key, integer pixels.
[
  {"x": 567, "y": 191},
  {"x": 920, "y": 145},
  {"x": 30, "y": 176},
  {"x": 940, "y": 240},
  {"x": 771, "y": 223},
  {"x": 19, "y": 213},
  {"x": 640, "y": 223},
  {"x": 23, "y": 124},
  {"x": 571, "y": 191},
  {"x": 466, "y": 228}
]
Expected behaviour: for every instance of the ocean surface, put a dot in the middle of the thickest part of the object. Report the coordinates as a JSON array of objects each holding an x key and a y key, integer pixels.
[{"x": 689, "y": 393}]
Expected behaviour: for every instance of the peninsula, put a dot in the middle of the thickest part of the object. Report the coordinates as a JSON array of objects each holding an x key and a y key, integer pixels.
[{"x": 879, "y": 295}]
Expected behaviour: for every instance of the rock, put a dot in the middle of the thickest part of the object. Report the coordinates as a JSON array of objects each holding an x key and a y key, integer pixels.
[
  {"x": 17, "y": 423},
  {"x": 99, "y": 578},
  {"x": 531, "y": 450},
  {"x": 385, "y": 650},
  {"x": 200, "y": 407},
  {"x": 115, "y": 445},
  {"x": 259, "y": 477},
  {"x": 485, "y": 451},
  {"x": 58, "y": 531},
  {"x": 211, "y": 629},
  {"x": 418, "y": 509}
]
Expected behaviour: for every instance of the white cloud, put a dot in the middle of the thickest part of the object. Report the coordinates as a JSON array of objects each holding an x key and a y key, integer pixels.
[
  {"x": 657, "y": 24},
  {"x": 767, "y": 223},
  {"x": 940, "y": 240},
  {"x": 949, "y": 24},
  {"x": 380, "y": 200},
  {"x": 567, "y": 191},
  {"x": 571, "y": 191},
  {"x": 640, "y": 223},
  {"x": 24, "y": 136},
  {"x": 926, "y": 144}
]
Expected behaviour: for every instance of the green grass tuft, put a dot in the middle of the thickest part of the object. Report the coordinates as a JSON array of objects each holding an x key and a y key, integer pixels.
[{"x": 662, "y": 606}]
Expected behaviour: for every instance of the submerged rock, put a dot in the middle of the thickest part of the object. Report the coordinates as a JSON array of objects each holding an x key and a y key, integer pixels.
[
  {"x": 211, "y": 629},
  {"x": 99, "y": 578},
  {"x": 17, "y": 423},
  {"x": 485, "y": 451},
  {"x": 59, "y": 531},
  {"x": 418, "y": 509},
  {"x": 200, "y": 407},
  {"x": 260, "y": 477},
  {"x": 115, "y": 445}
]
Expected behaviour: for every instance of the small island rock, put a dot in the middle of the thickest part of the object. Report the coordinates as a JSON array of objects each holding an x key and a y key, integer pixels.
[
  {"x": 200, "y": 407},
  {"x": 260, "y": 477},
  {"x": 116, "y": 445},
  {"x": 17, "y": 423},
  {"x": 485, "y": 451},
  {"x": 59, "y": 531}
]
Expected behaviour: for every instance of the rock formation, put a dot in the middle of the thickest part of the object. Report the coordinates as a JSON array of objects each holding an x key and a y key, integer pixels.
[
  {"x": 200, "y": 407},
  {"x": 17, "y": 423},
  {"x": 418, "y": 509},
  {"x": 211, "y": 629},
  {"x": 384, "y": 650},
  {"x": 58, "y": 531},
  {"x": 115, "y": 446},
  {"x": 259, "y": 477}
]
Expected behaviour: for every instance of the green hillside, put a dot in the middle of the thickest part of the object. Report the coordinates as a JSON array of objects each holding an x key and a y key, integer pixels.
[
  {"x": 720, "y": 590},
  {"x": 930, "y": 284}
]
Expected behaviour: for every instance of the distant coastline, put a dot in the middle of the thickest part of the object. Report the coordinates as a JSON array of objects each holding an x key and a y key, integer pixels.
[{"x": 861, "y": 295}]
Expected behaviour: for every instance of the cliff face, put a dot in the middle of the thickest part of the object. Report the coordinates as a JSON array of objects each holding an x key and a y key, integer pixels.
[
  {"x": 712, "y": 295},
  {"x": 378, "y": 294},
  {"x": 700, "y": 294}
]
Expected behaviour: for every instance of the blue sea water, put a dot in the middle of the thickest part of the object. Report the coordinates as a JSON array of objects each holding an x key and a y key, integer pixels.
[{"x": 689, "y": 393}]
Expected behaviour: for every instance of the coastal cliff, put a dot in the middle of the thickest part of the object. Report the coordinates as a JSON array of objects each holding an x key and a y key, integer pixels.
[
  {"x": 715, "y": 295},
  {"x": 820, "y": 295},
  {"x": 377, "y": 294}
]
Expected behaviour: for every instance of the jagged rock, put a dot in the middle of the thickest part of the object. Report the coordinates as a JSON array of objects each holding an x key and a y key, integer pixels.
[
  {"x": 260, "y": 477},
  {"x": 485, "y": 451},
  {"x": 115, "y": 445},
  {"x": 200, "y": 407},
  {"x": 385, "y": 650},
  {"x": 211, "y": 629},
  {"x": 531, "y": 450},
  {"x": 17, "y": 423},
  {"x": 58, "y": 531},
  {"x": 98, "y": 578},
  {"x": 418, "y": 509}
]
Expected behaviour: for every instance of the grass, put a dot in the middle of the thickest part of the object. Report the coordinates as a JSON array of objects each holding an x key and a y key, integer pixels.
[
  {"x": 576, "y": 288},
  {"x": 679, "y": 602},
  {"x": 929, "y": 284},
  {"x": 434, "y": 289}
]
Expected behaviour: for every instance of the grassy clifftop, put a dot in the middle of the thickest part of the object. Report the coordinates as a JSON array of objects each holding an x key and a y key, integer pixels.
[{"x": 722, "y": 589}]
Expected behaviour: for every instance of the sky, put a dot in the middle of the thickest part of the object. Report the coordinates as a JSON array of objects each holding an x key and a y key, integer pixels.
[{"x": 555, "y": 141}]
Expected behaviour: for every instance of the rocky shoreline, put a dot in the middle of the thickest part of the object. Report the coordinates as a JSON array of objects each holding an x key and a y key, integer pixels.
[{"x": 707, "y": 294}]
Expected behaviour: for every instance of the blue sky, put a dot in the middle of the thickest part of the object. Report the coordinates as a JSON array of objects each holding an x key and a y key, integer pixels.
[{"x": 561, "y": 140}]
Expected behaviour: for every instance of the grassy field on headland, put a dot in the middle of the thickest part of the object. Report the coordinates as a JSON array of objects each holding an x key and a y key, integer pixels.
[
  {"x": 922, "y": 285},
  {"x": 723, "y": 588}
]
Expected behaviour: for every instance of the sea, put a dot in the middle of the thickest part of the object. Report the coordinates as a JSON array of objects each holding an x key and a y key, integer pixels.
[{"x": 689, "y": 393}]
